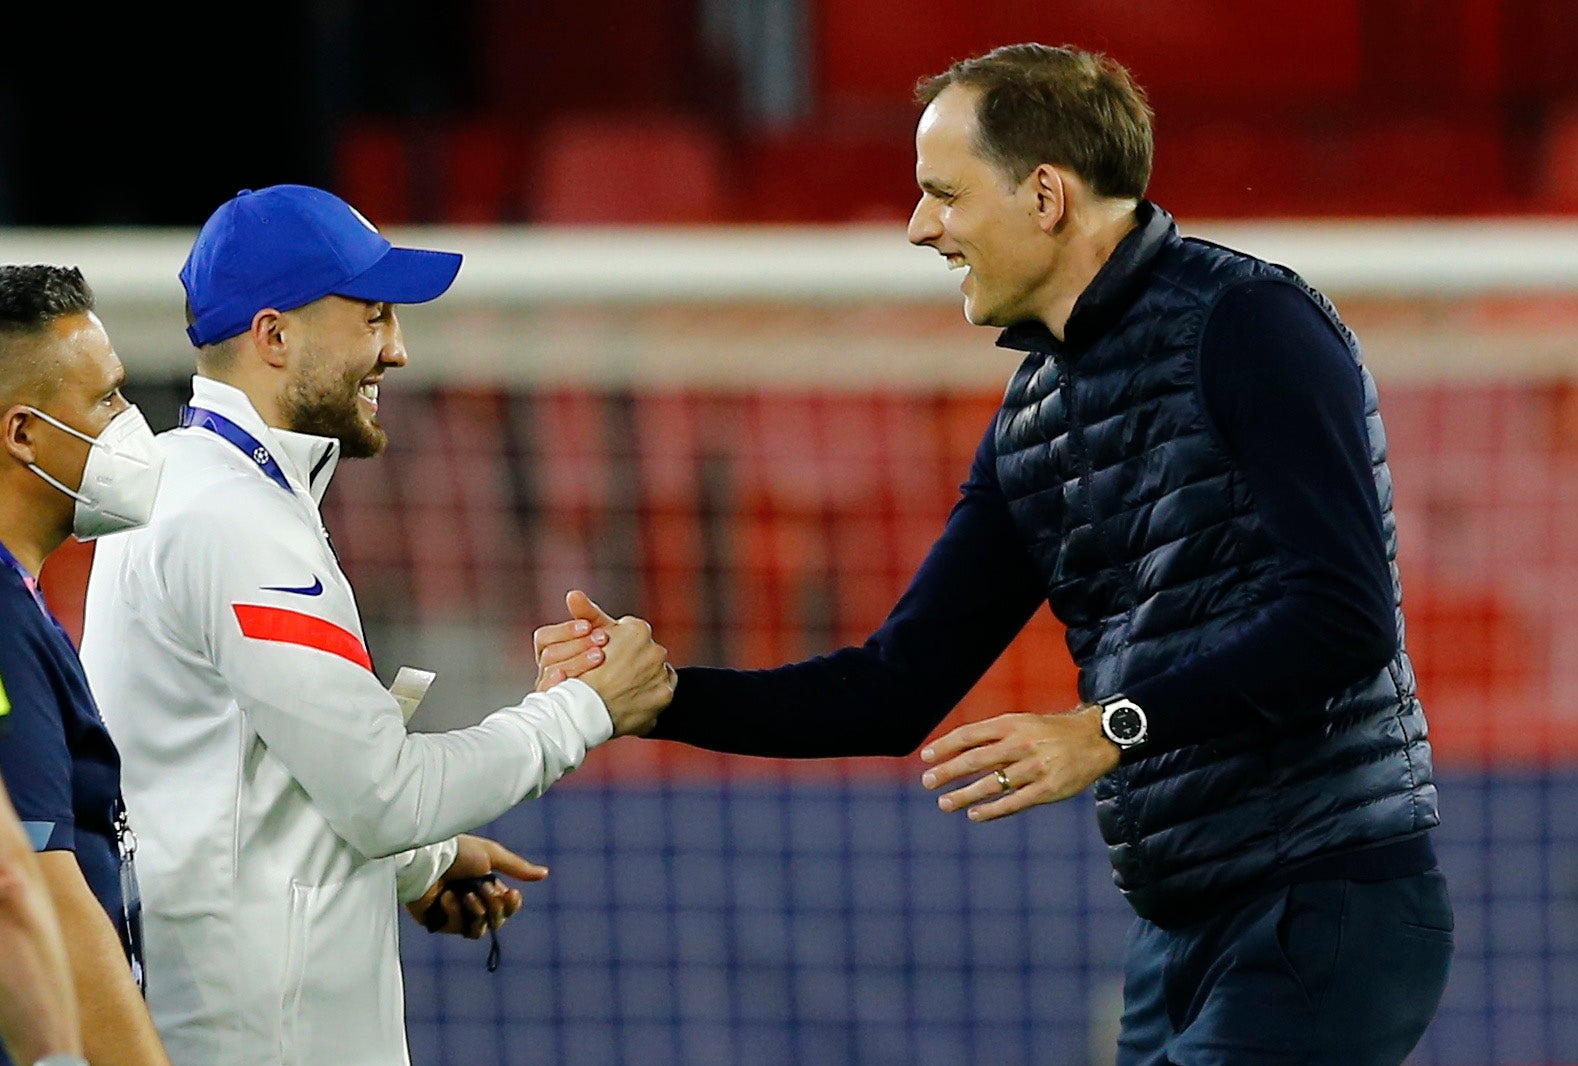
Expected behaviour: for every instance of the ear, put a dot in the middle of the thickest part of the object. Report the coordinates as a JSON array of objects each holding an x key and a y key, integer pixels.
[
  {"x": 1051, "y": 193},
  {"x": 16, "y": 436},
  {"x": 268, "y": 336}
]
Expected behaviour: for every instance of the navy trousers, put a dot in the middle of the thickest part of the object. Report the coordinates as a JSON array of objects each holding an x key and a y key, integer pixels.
[{"x": 1325, "y": 973}]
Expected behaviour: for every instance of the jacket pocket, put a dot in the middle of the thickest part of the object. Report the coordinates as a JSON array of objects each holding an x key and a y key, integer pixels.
[{"x": 342, "y": 992}]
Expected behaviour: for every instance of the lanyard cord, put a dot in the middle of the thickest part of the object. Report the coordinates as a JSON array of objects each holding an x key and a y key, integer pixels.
[{"x": 249, "y": 445}]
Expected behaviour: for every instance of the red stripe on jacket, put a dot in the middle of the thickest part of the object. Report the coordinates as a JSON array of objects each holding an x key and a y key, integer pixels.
[{"x": 293, "y": 627}]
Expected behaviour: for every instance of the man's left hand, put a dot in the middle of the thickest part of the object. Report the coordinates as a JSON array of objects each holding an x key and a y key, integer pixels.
[
  {"x": 1027, "y": 759},
  {"x": 476, "y": 913}
]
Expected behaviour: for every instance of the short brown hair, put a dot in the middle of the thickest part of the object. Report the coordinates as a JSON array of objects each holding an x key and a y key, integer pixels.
[{"x": 1039, "y": 104}]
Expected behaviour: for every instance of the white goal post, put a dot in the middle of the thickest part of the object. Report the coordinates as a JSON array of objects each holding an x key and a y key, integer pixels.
[{"x": 856, "y": 306}]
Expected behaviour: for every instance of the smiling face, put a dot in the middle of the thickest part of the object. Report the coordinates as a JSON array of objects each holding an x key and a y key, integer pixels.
[
  {"x": 981, "y": 220},
  {"x": 332, "y": 387}
]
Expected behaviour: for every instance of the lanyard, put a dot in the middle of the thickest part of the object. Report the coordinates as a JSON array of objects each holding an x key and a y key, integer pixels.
[
  {"x": 249, "y": 445},
  {"x": 131, "y": 896}
]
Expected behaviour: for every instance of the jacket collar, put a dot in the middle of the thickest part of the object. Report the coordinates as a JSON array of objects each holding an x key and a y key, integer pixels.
[
  {"x": 308, "y": 461},
  {"x": 1110, "y": 293}
]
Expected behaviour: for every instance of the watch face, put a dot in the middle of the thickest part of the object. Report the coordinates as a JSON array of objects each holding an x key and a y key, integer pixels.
[{"x": 1124, "y": 723}]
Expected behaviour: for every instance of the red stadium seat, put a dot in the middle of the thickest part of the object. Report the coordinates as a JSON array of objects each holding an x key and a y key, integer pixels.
[
  {"x": 823, "y": 173},
  {"x": 1557, "y": 185},
  {"x": 374, "y": 168},
  {"x": 663, "y": 168}
]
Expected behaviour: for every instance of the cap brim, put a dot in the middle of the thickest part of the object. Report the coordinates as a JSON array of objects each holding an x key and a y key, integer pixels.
[{"x": 404, "y": 276}]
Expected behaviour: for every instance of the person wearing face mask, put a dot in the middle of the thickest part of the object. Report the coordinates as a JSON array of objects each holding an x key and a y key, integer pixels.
[
  {"x": 75, "y": 458},
  {"x": 283, "y": 808}
]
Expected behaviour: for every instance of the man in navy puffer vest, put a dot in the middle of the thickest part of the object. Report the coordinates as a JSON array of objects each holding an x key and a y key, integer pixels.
[{"x": 1189, "y": 466}]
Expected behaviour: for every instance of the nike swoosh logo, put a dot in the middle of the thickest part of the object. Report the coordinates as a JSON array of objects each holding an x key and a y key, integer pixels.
[{"x": 314, "y": 589}]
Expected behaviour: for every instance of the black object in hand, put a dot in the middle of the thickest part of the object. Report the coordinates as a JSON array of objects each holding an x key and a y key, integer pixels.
[{"x": 435, "y": 919}]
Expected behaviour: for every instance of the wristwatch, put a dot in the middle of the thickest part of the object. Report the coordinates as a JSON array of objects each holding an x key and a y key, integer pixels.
[{"x": 1123, "y": 721}]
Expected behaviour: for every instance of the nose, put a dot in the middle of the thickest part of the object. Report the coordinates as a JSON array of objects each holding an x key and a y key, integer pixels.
[
  {"x": 925, "y": 222},
  {"x": 393, "y": 351}
]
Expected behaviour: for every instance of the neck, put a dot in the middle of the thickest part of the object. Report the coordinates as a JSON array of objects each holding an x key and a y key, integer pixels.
[
  {"x": 1094, "y": 233},
  {"x": 263, "y": 396},
  {"x": 30, "y": 528}
]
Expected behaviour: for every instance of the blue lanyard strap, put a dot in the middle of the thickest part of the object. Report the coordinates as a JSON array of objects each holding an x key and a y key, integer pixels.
[{"x": 250, "y": 446}]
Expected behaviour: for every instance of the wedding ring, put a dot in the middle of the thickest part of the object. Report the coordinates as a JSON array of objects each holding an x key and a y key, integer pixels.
[{"x": 1002, "y": 779}]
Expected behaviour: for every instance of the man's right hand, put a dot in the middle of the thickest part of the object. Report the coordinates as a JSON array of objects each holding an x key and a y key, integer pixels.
[{"x": 617, "y": 657}]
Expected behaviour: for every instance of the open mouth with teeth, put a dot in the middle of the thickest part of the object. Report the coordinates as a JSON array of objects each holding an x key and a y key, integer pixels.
[
  {"x": 956, "y": 262},
  {"x": 369, "y": 393}
]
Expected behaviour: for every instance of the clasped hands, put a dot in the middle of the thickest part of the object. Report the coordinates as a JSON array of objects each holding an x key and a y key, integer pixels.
[
  {"x": 630, "y": 672},
  {"x": 616, "y": 656},
  {"x": 1010, "y": 763}
]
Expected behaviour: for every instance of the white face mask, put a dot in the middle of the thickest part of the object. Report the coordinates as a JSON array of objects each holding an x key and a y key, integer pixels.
[{"x": 121, "y": 477}]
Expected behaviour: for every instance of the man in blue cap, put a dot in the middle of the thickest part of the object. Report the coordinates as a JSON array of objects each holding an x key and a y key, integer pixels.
[{"x": 283, "y": 808}]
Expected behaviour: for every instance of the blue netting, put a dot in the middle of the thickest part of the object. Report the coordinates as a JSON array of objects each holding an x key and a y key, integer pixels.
[{"x": 788, "y": 923}]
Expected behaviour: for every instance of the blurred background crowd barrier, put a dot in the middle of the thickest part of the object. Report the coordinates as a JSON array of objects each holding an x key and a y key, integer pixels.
[{"x": 750, "y": 434}]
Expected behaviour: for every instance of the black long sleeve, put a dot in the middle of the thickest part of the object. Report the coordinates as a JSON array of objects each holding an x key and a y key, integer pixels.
[
  {"x": 976, "y": 589},
  {"x": 1287, "y": 400}
]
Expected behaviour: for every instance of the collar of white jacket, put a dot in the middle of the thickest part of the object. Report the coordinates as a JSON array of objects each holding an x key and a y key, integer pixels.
[{"x": 309, "y": 461}]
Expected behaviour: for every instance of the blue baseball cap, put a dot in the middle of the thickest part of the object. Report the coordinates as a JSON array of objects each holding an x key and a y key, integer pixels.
[{"x": 288, "y": 245}]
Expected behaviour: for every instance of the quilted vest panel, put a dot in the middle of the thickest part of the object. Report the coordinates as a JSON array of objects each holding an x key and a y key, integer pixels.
[{"x": 1147, "y": 537}]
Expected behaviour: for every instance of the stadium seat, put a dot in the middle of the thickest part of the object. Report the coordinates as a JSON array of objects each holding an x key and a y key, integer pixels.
[
  {"x": 374, "y": 167},
  {"x": 822, "y": 173},
  {"x": 632, "y": 169},
  {"x": 1557, "y": 183}
]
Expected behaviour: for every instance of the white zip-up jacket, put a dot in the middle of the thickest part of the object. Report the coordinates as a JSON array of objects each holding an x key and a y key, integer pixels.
[{"x": 275, "y": 793}]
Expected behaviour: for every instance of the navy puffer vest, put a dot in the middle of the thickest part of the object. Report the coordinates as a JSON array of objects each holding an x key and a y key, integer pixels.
[{"x": 1147, "y": 537}]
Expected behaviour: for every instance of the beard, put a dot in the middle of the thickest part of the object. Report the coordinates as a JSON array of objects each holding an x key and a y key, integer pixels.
[{"x": 325, "y": 404}]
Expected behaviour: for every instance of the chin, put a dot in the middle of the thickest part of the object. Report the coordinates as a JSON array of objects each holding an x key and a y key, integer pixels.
[
  {"x": 980, "y": 316},
  {"x": 364, "y": 442},
  {"x": 363, "y": 446}
]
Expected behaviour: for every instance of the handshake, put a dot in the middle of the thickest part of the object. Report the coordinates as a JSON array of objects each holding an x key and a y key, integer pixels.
[{"x": 616, "y": 656}]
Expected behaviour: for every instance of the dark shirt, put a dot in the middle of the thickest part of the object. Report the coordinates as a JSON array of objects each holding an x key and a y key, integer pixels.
[
  {"x": 1286, "y": 400},
  {"x": 56, "y": 757}
]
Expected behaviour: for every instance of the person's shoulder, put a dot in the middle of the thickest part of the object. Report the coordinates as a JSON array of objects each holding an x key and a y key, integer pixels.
[
  {"x": 226, "y": 518},
  {"x": 194, "y": 456},
  {"x": 1271, "y": 333},
  {"x": 1269, "y": 303},
  {"x": 208, "y": 481},
  {"x": 1192, "y": 248},
  {"x": 20, "y": 619},
  {"x": 1205, "y": 272},
  {"x": 15, "y": 600}
]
